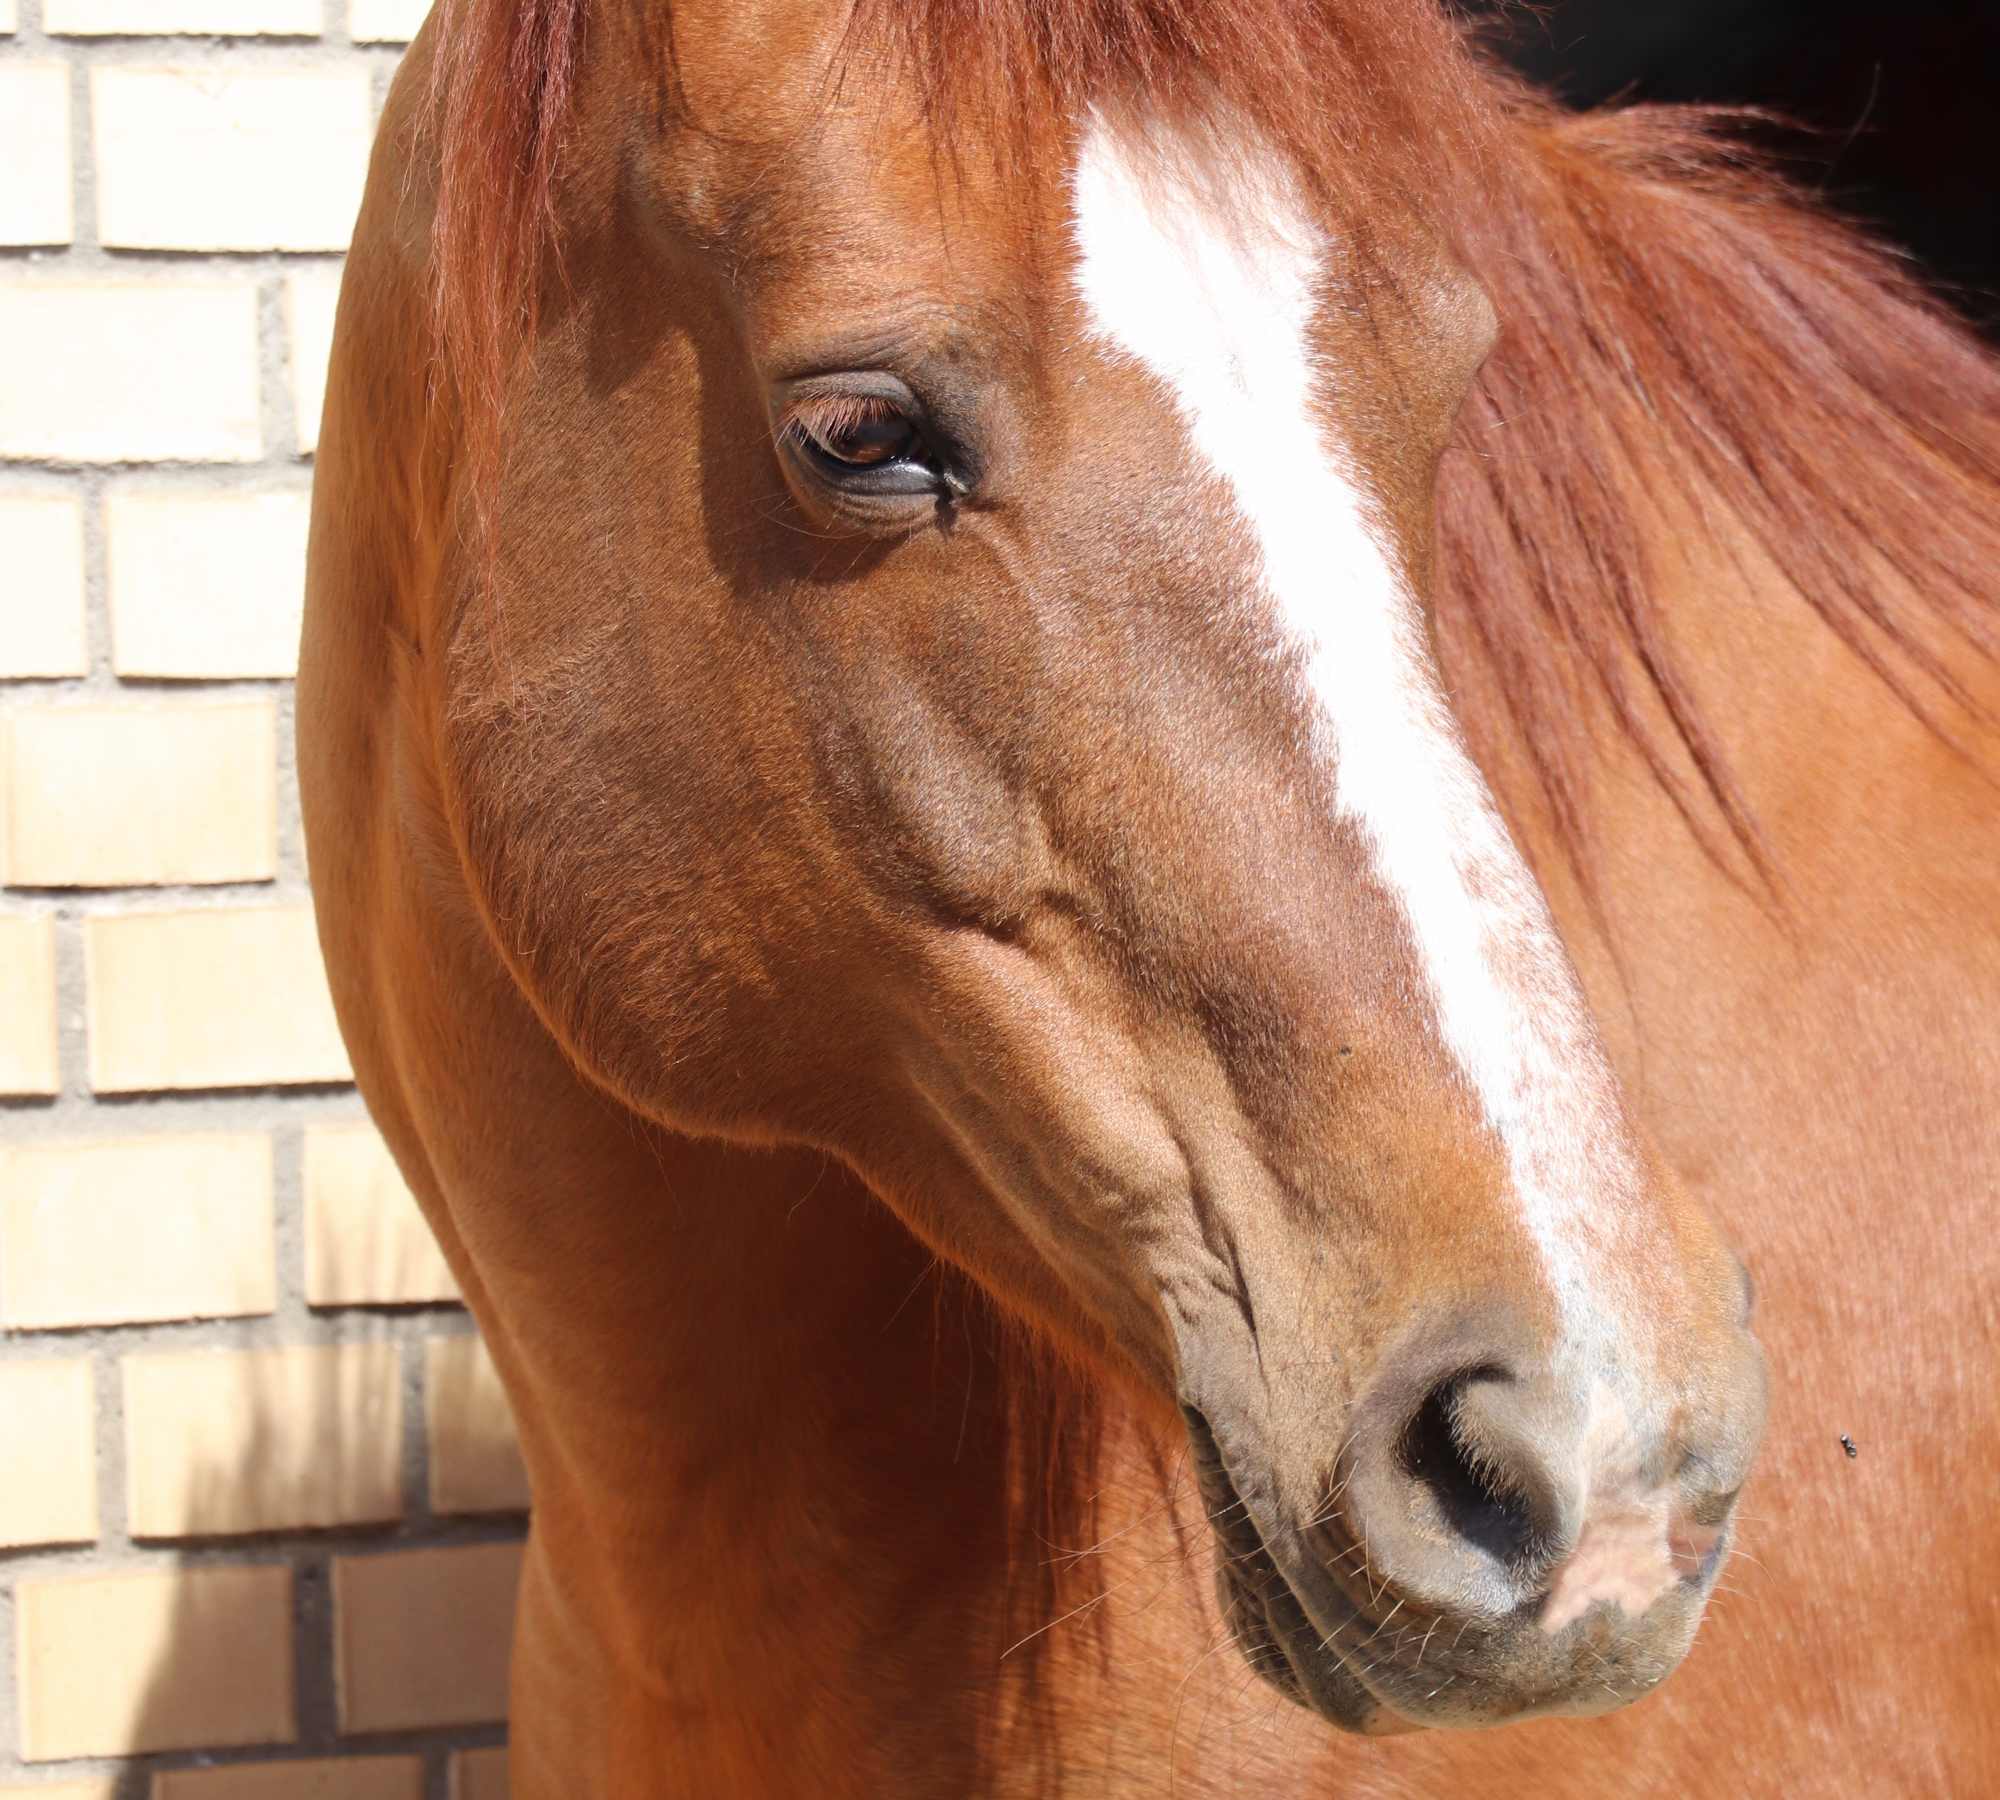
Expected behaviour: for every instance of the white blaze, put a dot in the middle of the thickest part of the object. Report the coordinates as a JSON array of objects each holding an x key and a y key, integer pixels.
[{"x": 1217, "y": 304}]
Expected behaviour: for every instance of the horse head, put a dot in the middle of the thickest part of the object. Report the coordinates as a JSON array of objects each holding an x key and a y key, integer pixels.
[{"x": 946, "y": 677}]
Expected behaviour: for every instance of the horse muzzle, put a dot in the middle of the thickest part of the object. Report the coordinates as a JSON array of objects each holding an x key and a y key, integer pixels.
[{"x": 1494, "y": 1541}]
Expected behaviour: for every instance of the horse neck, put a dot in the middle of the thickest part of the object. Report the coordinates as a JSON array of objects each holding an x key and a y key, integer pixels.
[
  {"x": 746, "y": 1371},
  {"x": 768, "y": 1443}
]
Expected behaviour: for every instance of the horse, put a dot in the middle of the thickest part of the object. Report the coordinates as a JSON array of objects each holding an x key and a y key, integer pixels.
[{"x": 1152, "y": 826}]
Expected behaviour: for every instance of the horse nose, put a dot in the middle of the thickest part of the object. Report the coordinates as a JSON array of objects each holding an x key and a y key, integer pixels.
[{"x": 1503, "y": 1482}]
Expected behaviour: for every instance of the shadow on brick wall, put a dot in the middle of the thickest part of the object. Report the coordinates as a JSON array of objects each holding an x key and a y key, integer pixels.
[{"x": 270, "y": 1643}]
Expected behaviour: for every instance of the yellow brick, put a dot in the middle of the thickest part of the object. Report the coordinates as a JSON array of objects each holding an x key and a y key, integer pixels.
[
  {"x": 475, "y": 1455},
  {"x": 220, "y": 18},
  {"x": 422, "y": 1637},
  {"x": 226, "y": 1441},
  {"x": 366, "y": 1242},
  {"x": 479, "y": 1775},
  {"x": 206, "y": 586},
  {"x": 107, "y": 1789},
  {"x": 34, "y": 150},
  {"x": 196, "y": 158},
  {"x": 385, "y": 21},
  {"x": 41, "y": 586},
  {"x": 112, "y": 1664},
  {"x": 164, "y": 1227},
  {"x": 87, "y": 379},
  {"x": 118, "y": 796},
  {"x": 310, "y": 299},
  {"x": 28, "y": 1005},
  {"x": 345, "y": 1778},
  {"x": 221, "y": 997},
  {"x": 48, "y": 1456}
]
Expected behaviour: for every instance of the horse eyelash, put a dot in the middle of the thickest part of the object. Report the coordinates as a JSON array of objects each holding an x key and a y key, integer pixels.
[{"x": 820, "y": 417}]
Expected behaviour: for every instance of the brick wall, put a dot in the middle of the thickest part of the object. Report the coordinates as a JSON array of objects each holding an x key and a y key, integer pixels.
[{"x": 260, "y": 1506}]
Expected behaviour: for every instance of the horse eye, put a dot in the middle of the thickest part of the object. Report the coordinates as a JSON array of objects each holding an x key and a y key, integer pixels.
[
  {"x": 868, "y": 443},
  {"x": 858, "y": 434}
]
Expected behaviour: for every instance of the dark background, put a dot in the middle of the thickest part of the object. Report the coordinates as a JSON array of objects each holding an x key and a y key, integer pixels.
[{"x": 1903, "y": 100}]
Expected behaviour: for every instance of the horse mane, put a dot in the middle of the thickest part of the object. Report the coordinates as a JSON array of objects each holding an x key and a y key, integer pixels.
[{"x": 1685, "y": 337}]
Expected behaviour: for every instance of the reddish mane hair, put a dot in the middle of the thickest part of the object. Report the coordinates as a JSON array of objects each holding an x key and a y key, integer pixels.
[
  {"x": 1675, "y": 318},
  {"x": 500, "y": 100}
]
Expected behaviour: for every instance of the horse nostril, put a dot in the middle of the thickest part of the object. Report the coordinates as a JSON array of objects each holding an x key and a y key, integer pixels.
[
  {"x": 1477, "y": 1492},
  {"x": 1465, "y": 1477}
]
